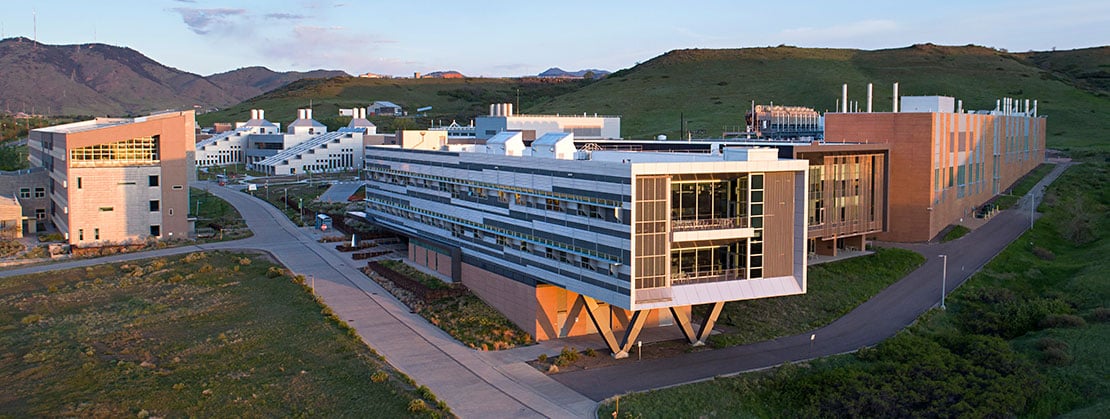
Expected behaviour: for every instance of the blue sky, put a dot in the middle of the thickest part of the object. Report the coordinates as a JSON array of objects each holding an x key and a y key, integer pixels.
[{"x": 510, "y": 38}]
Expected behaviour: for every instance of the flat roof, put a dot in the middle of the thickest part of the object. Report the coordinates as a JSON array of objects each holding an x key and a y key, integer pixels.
[{"x": 85, "y": 125}]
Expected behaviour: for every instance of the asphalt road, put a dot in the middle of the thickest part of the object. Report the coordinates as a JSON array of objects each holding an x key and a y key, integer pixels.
[
  {"x": 879, "y": 318},
  {"x": 474, "y": 387}
]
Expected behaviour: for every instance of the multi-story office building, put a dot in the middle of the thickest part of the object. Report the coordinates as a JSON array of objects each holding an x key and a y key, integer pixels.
[
  {"x": 946, "y": 162},
  {"x": 30, "y": 187},
  {"x": 118, "y": 180},
  {"x": 567, "y": 242},
  {"x": 306, "y": 146},
  {"x": 846, "y": 194}
]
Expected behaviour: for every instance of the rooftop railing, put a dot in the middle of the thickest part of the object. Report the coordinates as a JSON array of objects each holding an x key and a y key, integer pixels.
[
  {"x": 703, "y": 277},
  {"x": 708, "y": 224}
]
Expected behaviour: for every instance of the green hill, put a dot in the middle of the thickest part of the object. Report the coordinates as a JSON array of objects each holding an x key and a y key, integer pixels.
[
  {"x": 712, "y": 88},
  {"x": 450, "y": 99}
]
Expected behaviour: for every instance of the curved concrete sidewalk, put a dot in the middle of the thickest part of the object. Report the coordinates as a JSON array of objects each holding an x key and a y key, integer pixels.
[
  {"x": 500, "y": 385},
  {"x": 880, "y": 317},
  {"x": 472, "y": 385}
]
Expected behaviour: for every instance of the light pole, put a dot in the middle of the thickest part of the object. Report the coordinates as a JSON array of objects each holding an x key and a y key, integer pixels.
[
  {"x": 197, "y": 214},
  {"x": 300, "y": 206},
  {"x": 286, "y": 200},
  {"x": 943, "y": 280},
  {"x": 1032, "y": 207}
]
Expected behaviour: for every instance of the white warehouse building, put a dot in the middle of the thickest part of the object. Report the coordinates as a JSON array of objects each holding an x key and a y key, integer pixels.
[
  {"x": 327, "y": 152},
  {"x": 586, "y": 127}
]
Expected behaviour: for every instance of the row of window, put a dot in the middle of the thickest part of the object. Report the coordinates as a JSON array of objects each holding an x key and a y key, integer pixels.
[
  {"x": 155, "y": 231},
  {"x": 135, "y": 150},
  {"x": 412, "y": 178},
  {"x": 466, "y": 228},
  {"x": 461, "y": 190},
  {"x": 25, "y": 193}
]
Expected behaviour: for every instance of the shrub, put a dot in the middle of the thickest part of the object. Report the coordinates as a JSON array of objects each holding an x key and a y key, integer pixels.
[
  {"x": 205, "y": 269},
  {"x": 379, "y": 376},
  {"x": 1056, "y": 356},
  {"x": 566, "y": 357},
  {"x": 274, "y": 272},
  {"x": 417, "y": 406},
  {"x": 542, "y": 358},
  {"x": 33, "y": 318},
  {"x": 1101, "y": 314},
  {"x": 244, "y": 261},
  {"x": 193, "y": 257},
  {"x": 1061, "y": 320},
  {"x": 590, "y": 352},
  {"x": 1043, "y": 253},
  {"x": 1047, "y": 343}
]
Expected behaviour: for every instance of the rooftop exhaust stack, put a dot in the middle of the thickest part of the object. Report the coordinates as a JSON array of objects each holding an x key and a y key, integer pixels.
[
  {"x": 1027, "y": 113},
  {"x": 960, "y": 106},
  {"x": 870, "y": 91},
  {"x": 895, "y": 108},
  {"x": 254, "y": 113},
  {"x": 261, "y": 114},
  {"x": 1034, "y": 108},
  {"x": 844, "y": 97},
  {"x": 508, "y": 109}
]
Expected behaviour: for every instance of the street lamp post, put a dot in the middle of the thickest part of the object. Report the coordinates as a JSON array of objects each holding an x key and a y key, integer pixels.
[
  {"x": 1032, "y": 207},
  {"x": 286, "y": 200},
  {"x": 197, "y": 214},
  {"x": 943, "y": 280}
]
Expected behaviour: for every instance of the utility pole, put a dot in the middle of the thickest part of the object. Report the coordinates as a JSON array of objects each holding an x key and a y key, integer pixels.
[{"x": 943, "y": 280}]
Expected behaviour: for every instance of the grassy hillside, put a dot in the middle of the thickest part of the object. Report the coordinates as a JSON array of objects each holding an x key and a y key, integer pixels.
[
  {"x": 450, "y": 99},
  {"x": 713, "y": 88},
  {"x": 1088, "y": 68}
]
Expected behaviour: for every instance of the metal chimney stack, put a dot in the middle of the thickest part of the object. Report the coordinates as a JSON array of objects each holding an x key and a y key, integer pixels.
[
  {"x": 870, "y": 93},
  {"x": 895, "y": 106},
  {"x": 844, "y": 97}
]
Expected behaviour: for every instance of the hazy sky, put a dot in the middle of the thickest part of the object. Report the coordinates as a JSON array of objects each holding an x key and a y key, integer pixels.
[{"x": 510, "y": 38}]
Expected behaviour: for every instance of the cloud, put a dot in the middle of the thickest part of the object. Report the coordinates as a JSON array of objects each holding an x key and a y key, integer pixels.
[
  {"x": 307, "y": 46},
  {"x": 204, "y": 21},
  {"x": 852, "y": 31},
  {"x": 186, "y": 1},
  {"x": 285, "y": 16}
]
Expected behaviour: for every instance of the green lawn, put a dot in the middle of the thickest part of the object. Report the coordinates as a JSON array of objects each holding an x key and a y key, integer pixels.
[
  {"x": 217, "y": 215},
  {"x": 956, "y": 232},
  {"x": 206, "y": 334},
  {"x": 300, "y": 207},
  {"x": 1023, "y": 186},
  {"x": 834, "y": 289},
  {"x": 1024, "y": 337}
]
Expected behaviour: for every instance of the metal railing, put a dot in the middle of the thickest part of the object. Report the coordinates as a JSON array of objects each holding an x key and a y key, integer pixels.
[
  {"x": 702, "y": 277},
  {"x": 708, "y": 224}
]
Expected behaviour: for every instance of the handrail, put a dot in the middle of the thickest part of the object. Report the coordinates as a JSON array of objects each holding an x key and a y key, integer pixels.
[
  {"x": 702, "y": 277},
  {"x": 708, "y": 224}
]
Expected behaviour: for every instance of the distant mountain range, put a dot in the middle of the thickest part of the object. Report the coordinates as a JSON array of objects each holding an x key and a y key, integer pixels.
[
  {"x": 248, "y": 82},
  {"x": 558, "y": 72},
  {"x": 98, "y": 79}
]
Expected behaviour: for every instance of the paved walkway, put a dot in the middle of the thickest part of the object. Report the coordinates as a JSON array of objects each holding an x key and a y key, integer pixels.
[
  {"x": 879, "y": 318},
  {"x": 500, "y": 384},
  {"x": 473, "y": 385},
  {"x": 340, "y": 191}
]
